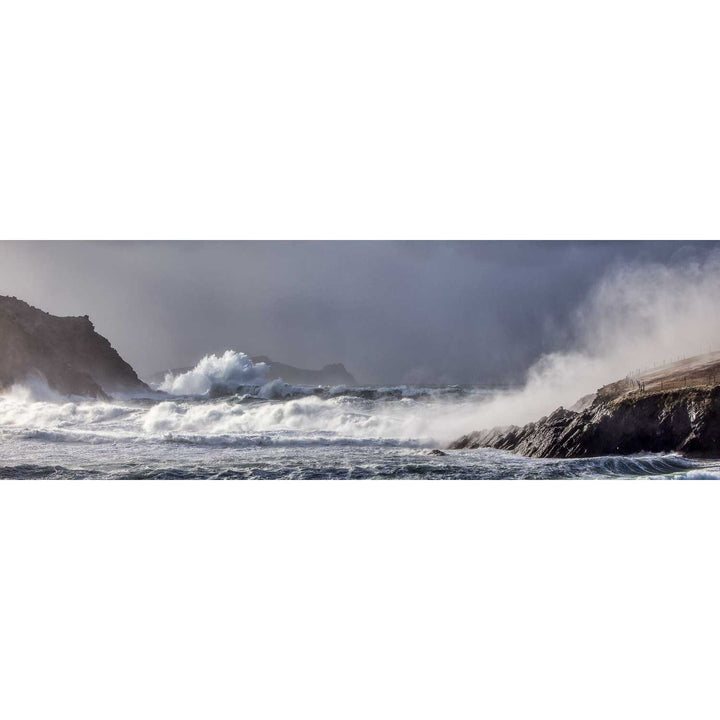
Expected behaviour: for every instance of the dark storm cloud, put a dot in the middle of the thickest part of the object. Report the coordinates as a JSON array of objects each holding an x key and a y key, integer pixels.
[{"x": 392, "y": 312}]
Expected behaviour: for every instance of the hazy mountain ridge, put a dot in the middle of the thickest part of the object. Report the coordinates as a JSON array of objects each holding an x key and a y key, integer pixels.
[
  {"x": 332, "y": 374},
  {"x": 67, "y": 351}
]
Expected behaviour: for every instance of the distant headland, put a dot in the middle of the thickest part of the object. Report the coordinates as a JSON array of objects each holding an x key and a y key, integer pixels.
[{"x": 334, "y": 374}]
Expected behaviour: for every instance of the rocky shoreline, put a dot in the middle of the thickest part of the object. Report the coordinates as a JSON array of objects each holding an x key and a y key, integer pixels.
[{"x": 685, "y": 420}]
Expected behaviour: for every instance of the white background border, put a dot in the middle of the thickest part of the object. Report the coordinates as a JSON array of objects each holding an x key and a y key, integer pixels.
[{"x": 377, "y": 120}]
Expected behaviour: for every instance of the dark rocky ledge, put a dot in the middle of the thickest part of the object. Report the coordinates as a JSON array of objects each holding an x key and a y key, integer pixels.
[
  {"x": 669, "y": 408},
  {"x": 683, "y": 420},
  {"x": 65, "y": 351}
]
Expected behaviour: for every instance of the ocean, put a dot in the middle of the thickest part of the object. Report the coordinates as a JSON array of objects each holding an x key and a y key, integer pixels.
[{"x": 276, "y": 431}]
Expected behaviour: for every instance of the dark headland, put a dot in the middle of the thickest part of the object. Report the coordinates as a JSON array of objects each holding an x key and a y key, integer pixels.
[
  {"x": 66, "y": 351},
  {"x": 333, "y": 374},
  {"x": 675, "y": 408}
]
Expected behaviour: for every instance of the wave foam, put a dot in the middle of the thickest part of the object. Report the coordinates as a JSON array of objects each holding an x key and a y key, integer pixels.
[
  {"x": 33, "y": 389},
  {"x": 306, "y": 415},
  {"x": 212, "y": 374}
]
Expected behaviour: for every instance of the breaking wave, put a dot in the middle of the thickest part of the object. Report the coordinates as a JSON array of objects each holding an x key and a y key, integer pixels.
[
  {"x": 272, "y": 413},
  {"x": 216, "y": 374}
]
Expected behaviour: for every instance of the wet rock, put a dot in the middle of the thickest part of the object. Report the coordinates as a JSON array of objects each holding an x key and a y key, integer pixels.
[{"x": 684, "y": 420}]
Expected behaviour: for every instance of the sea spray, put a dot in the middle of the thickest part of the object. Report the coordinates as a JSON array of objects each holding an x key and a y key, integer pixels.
[
  {"x": 224, "y": 373},
  {"x": 637, "y": 317}
]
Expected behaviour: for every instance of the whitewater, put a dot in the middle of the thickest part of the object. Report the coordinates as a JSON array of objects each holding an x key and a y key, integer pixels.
[{"x": 222, "y": 420}]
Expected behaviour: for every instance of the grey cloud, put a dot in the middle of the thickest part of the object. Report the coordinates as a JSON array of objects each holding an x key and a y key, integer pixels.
[{"x": 392, "y": 312}]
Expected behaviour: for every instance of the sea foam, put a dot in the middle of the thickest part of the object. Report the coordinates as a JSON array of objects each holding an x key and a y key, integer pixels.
[{"x": 224, "y": 373}]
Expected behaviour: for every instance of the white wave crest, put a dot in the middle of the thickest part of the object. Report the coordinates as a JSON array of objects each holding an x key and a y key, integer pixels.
[
  {"x": 33, "y": 389},
  {"x": 212, "y": 373},
  {"x": 304, "y": 415},
  {"x": 279, "y": 390}
]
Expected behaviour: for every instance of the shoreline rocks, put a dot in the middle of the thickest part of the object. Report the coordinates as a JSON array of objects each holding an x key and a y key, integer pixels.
[{"x": 683, "y": 420}]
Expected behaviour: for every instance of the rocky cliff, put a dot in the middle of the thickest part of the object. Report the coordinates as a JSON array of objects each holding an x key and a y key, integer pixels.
[
  {"x": 661, "y": 414},
  {"x": 66, "y": 351}
]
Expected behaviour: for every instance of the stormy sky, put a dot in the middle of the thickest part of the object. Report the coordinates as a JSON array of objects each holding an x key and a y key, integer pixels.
[{"x": 392, "y": 312}]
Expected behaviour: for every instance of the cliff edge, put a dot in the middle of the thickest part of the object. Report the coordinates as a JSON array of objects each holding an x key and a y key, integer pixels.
[{"x": 66, "y": 351}]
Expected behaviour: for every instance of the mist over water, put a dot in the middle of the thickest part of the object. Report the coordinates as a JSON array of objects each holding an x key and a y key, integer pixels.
[{"x": 636, "y": 318}]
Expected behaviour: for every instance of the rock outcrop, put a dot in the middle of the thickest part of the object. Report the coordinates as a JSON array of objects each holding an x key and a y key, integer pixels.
[
  {"x": 65, "y": 351},
  {"x": 683, "y": 420},
  {"x": 334, "y": 374}
]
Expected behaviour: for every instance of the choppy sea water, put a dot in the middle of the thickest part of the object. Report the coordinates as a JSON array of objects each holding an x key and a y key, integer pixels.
[{"x": 278, "y": 432}]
